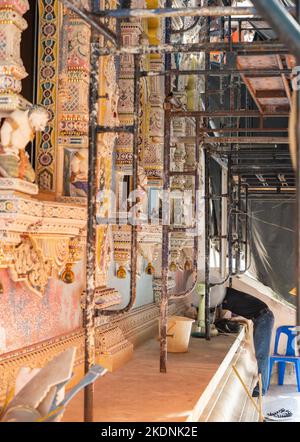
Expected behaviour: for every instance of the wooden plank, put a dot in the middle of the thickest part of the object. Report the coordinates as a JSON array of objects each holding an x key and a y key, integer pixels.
[
  {"x": 271, "y": 93},
  {"x": 285, "y": 81}
]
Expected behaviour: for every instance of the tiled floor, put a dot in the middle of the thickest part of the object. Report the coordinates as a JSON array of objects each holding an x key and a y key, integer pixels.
[{"x": 285, "y": 396}]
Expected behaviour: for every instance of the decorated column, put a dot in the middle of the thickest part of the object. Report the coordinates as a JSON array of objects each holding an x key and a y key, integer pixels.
[{"x": 12, "y": 70}]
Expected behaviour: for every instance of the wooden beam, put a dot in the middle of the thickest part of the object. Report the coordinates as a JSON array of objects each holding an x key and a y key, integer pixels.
[
  {"x": 271, "y": 93},
  {"x": 284, "y": 79}
]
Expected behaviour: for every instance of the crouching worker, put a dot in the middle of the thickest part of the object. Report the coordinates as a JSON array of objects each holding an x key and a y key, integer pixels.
[{"x": 249, "y": 307}]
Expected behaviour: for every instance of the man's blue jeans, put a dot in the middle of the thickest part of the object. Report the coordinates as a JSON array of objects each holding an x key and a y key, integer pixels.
[{"x": 262, "y": 333}]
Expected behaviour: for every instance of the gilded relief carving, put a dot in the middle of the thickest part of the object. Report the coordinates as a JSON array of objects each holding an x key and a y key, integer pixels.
[
  {"x": 28, "y": 264},
  {"x": 16, "y": 132}
]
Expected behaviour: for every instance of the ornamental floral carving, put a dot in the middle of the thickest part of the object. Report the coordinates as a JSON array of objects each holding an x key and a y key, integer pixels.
[{"x": 28, "y": 264}]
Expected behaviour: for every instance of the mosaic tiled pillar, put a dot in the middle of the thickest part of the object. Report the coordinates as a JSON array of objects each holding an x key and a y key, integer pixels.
[
  {"x": 153, "y": 152},
  {"x": 73, "y": 109},
  {"x": 130, "y": 37},
  {"x": 12, "y": 70},
  {"x": 49, "y": 14}
]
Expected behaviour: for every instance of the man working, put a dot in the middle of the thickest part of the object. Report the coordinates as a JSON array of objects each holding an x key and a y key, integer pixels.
[{"x": 243, "y": 304}]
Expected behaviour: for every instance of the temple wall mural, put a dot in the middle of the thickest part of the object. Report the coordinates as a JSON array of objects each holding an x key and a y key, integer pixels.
[
  {"x": 43, "y": 195},
  {"x": 55, "y": 313}
]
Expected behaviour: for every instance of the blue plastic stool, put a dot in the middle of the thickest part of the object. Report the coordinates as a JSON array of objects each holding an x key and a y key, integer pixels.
[{"x": 289, "y": 356}]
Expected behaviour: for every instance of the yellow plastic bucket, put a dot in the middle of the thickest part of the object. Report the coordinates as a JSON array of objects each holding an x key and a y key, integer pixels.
[{"x": 178, "y": 333}]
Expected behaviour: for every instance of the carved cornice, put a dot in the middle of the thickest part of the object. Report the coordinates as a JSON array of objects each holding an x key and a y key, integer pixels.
[{"x": 27, "y": 215}]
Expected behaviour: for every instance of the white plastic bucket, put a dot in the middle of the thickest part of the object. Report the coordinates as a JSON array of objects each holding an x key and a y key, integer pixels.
[{"x": 178, "y": 333}]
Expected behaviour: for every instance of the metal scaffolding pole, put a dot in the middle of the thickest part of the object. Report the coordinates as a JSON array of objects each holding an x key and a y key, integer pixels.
[
  {"x": 225, "y": 113},
  {"x": 207, "y": 192},
  {"x": 165, "y": 228},
  {"x": 283, "y": 23},
  {"x": 88, "y": 315},
  {"x": 219, "y": 73},
  {"x": 89, "y": 18},
  {"x": 229, "y": 212},
  {"x": 169, "y": 12},
  {"x": 253, "y": 48},
  {"x": 207, "y": 243},
  {"x": 298, "y": 198},
  {"x": 135, "y": 130},
  {"x": 238, "y": 227}
]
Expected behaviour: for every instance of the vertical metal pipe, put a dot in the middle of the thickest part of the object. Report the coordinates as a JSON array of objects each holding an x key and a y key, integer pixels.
[
  {"x": 238, "y": 227},
  {"x": 247, "y": 227},
  {"x": 88, "y": 315},
  {"x": 196, "y": 196},
  {"x": 165, "y": 228},
  {"x": 207, "y": 192},
  {"x": 298, "y": 199},
  {"x": 224, "y": 223},
  {"x": 219, "y": 227},
  {"x": 229, "y": 205},
  {"x": 207, "y": 244},
  {"x": 240, "y": 31},
  {"x": 136, "y": 103},
  {"x": 229, "y": 33}
]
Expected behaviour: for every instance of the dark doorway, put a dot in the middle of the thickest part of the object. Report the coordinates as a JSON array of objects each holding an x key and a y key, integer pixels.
[
  {"x": 29, "y": 55},
  {"x": 29, "y": 51}
]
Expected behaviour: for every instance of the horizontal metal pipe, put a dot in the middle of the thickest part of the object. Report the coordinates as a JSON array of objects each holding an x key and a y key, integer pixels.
[
  {"x": 241, "y": 147},
  {"x": 87, "y": 17},
  {"x": 271, "y": 192},
  {"x": 269, "y": 183},
  {"x": 259, "y": 157},
  {"x": 239, "y": 140},
  {"x": 246, "y": 48},
  {"x": 283, "y": 23},
  {"x": 180, "y": 173},
  {"x": 227, "y": 113},
  {"x": 270, "y": 169},
  {"x": 218, "y": 73},
  {"x": 115, "y": 129},
  {"x": 213, "y": 11},
  {"x": 244, "y": 129}
]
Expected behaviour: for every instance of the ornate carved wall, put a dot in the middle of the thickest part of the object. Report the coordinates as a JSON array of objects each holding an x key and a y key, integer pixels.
[
  {"x": 122, "y": 332},
  {"x": 41, "y": 262}
]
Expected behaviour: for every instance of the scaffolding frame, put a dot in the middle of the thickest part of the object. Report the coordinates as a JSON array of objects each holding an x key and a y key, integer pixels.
[{"x": 235, "y": 144}]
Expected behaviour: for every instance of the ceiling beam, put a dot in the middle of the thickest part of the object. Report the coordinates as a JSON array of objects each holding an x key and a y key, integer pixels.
[{"x": 270, "y": 93}]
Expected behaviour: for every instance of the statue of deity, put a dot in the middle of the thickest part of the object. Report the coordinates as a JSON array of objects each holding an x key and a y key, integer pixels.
[
  {"x": 79, "y": 173},
  {"x": 17, "y": 130}
]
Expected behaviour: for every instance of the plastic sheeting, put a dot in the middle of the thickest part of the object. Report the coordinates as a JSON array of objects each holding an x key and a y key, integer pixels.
[{"x": 272, "y": 244}]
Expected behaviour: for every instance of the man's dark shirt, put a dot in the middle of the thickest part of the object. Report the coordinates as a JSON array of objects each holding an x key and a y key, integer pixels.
[{"x": 242, "y": 304}]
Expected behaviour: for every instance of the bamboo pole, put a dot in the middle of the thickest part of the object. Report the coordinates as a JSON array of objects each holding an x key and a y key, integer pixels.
[
  {"x": 261, "y": 417},
  {"x": 245, "y": 388}
]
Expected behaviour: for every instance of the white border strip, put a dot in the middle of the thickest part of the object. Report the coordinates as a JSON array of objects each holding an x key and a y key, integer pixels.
[{"x": 209, "y": 390}]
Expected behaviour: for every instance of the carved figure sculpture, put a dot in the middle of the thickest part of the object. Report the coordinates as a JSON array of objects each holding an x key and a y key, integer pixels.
[
  {"x": 40, "y": 393},
  {"x": 16, "y": 132},
  {"x": 79, "y": 174}
]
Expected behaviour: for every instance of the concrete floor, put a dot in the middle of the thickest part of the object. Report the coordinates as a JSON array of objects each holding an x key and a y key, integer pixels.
[{"x": 137, "y": 392}]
